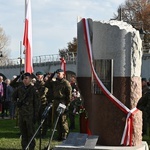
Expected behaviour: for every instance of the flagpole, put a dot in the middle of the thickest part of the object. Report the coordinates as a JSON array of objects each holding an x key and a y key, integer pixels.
[
  {"x": 20, "y": 55},
  {"x": 25, "y": 9}
]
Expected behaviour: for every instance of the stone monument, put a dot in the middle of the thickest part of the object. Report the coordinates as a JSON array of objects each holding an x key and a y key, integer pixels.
[{"x": 121, "y": 43}]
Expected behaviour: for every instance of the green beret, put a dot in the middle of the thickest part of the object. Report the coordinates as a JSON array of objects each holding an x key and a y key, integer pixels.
[
  {"x": 59, "y": 70},
  {"x": 39, "y": 73},
  {"x": 27, "y": 74}
]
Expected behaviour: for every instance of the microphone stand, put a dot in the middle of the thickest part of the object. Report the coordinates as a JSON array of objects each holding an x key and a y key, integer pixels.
[
  {"x": 61, "y": 108},
  {"x": 44, "y": 115}
]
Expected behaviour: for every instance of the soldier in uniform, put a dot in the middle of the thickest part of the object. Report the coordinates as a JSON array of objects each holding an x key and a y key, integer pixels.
[
  {"x": 61, "y": 93},
  {"x": 42, "y": 90},
  {"x": 145, "y": 87},
  {"x": 26, "y": 98},
  {"x": 144, "y": 105}
]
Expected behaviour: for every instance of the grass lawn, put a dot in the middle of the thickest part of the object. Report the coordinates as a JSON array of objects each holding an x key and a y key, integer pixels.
[{"x": 10, "y": 137}]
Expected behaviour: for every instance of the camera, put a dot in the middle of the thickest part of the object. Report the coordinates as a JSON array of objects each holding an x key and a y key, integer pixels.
[{"x": 61, "y": 108}]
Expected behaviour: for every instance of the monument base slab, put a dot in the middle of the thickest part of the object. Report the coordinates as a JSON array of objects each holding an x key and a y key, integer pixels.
[{"x": 143, "y": 146}]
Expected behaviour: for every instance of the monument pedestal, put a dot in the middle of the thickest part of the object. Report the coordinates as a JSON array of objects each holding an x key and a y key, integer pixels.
[
  {"x": 80, "y": 141},
  {"x": 83, "y": 123},
  {"x": 143, "y": 146}
]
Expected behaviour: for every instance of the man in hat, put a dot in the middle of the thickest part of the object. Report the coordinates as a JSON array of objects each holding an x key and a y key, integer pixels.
[
  {"x": 27, "y": 102},
  {"x": 61, "y": 93},
  {"x": 42, "y": 90}
]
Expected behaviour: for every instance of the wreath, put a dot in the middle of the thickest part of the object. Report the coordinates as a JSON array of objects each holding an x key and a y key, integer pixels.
[{"x": 77, "y": 104}]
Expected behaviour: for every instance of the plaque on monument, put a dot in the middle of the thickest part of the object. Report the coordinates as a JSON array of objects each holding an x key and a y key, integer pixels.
[
  {"x": 71, "y": 139},
  {"x": 78, "y": 141},
  {"x": 75, "y": 139}
]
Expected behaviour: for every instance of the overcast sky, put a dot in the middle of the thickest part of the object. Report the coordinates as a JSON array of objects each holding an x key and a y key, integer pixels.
[{"x": 54, "y": 22}]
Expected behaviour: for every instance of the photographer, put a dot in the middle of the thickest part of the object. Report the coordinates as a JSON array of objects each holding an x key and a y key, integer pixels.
[{"x": 26, "y": 99}]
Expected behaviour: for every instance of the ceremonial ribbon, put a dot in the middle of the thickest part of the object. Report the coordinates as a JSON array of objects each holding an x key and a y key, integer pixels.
[
  {"x": 63, "y": 64},
  {"x": 127, "y": 134}
]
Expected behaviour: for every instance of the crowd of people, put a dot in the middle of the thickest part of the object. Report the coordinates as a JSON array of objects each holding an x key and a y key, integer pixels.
[
  {"x": 29, "y": 95},
  {"x": 6, "y": 104}
]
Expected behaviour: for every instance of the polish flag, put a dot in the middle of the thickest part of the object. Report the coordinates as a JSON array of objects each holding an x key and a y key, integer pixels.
[{"x": 27, "y": 41}]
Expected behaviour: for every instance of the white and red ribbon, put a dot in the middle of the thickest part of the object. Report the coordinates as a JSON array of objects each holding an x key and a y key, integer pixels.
[
  {"x": 63, "y": 64},
  {"x": 128, "y": 130},
  {"x": 127, "y": 134}
]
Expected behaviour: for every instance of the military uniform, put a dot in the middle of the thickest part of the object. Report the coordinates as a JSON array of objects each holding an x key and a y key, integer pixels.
[
  {"x": 144, "y": 105},
  {"x": 49, "y": 84},
  {"x": 62, "y": 94},
  {"x": 42, "y": 90},
  {"x": 62, "y": 91},
  {"x": 27, "y": 102}
]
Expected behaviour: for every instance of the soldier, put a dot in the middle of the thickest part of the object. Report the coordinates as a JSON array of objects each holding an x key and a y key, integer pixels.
[
  {"x": 42, "y": 90},
  {"x": 26, "y": 98},
  {"x": 49, "y": 84},
  {"x": 145, "y": 87},
  {"x": 144, "y": 104},
  {"x": 61, "y": 93}
]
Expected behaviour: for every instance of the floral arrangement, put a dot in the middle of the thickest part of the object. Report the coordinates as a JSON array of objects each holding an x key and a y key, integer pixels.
[{"x": 76, "y": 106}]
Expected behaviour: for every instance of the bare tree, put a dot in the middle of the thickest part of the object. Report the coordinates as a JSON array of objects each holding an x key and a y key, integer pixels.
[
  {"x": 71, "y": 48},
  {"x": 4, "y": 42}
]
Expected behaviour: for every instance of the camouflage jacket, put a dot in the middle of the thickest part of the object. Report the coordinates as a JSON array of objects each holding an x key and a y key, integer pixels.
[
  {"x": 27, "y": 97},
  {"x": 144, "y": 103},
  {"x": 145, "y": 89},
  {"x": 42, "y": 90},
  {"x": 62, "y": 91}
]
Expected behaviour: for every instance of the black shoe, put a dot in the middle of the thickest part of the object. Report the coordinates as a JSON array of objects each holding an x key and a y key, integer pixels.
[
  {"x": 43, "y": 136},
  {"x": 63, "y": 138}
]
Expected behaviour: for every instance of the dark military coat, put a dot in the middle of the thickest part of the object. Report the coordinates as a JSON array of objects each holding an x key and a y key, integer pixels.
[
  {"x": 42, "y": 90},
  {"x": 27, "y": 99},
  {"x": 144, "y": 104}
]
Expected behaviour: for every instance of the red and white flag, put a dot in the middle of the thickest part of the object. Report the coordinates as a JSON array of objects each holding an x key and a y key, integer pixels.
[{"x": 27, "y": 41}]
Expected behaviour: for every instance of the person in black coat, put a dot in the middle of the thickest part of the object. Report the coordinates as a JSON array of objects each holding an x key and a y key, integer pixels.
[{"x": 144, "y": 105}]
